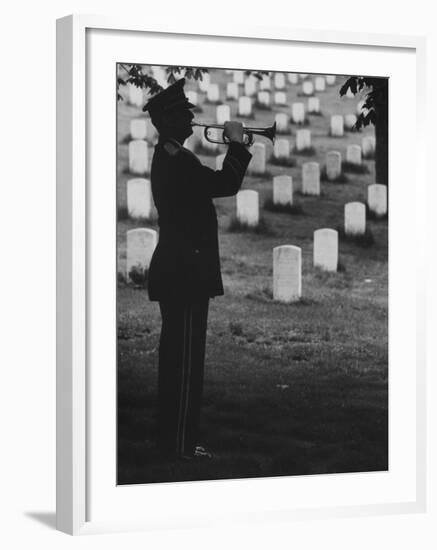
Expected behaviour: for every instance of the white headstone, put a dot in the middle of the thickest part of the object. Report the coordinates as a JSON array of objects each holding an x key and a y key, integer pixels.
[
  {"x": 257, "y": 164},
  {"x": 333, "y": 164},
  {"x": 330, "y": 79},
  {"x": 298, "y": 113},
  {"x": 293, "y": 78},
  {"x": 232, "y": 90},
  {"x": 135, "y": 95},
  {"x": 282, "y": 190},
  {"x": 325, "y": 253},
  {"x": 264, "y": 98},
  {"x": 265, "y": 83},
  {"x": 193, "y": 97},
  {"x": 368, "y": 144},
  {"x": 138, "y": 128},
  {"x": 337, "y": 129},
  {"x": 280, "y": 98},
  {"x": 139, "y": 198},
  {"x": 223, "y": 114},
  {"x": 281, "y": 148},
  {"x": 138, "y": 157},
  {"x": 279, "y": 81},
  {"x": 320, "y": 84},
  {"x": 310, "y": 178},
  {"x": 303, "y": 139},
  {"x": 313, "y": 105},
  {"x": 307, "y": 87},
  {"x": 141, "y": 244},
  {"x": 377, "y": 198},
  {"x": 250, "y": 86},
  {"x": 213, "y": 93},
  {"x": 287, "y": 273},
  {"x": 349, "y": 121},
  {"x": 244, "y": 106},
  {"x": 248, "y": 207},
  {"x": 238, "y": 77},
  {"x": 204, "y": 83},
  {"x": 219, "y": 161},
  {"x": 353, "y": 154},
  {"x": 354, "y": 218},
  {"x": 281, "y": 120}
]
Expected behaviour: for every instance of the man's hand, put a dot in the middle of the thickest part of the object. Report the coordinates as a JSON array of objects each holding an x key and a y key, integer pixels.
[{"x": 234, "y": 131}]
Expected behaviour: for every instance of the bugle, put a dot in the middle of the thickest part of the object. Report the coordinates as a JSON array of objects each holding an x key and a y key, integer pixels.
[{"x": 248, "y": 133}]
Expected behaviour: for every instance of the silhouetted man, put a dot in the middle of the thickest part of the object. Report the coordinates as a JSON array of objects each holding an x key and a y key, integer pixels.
[{"x": 185, "y": 271}]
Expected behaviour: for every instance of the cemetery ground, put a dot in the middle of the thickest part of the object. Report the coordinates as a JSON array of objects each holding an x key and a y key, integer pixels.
[{"x": 290, "y": 389}]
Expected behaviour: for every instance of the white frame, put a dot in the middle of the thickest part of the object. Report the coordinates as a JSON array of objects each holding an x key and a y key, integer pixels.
[{"x": 72, "y": 245}]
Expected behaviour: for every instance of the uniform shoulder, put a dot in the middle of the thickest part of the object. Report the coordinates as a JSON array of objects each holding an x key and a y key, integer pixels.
[{"x": 172, "y": 147}]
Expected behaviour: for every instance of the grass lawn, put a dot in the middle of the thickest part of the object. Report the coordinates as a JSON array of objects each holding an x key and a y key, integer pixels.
[{"x": 289, "y": 389}]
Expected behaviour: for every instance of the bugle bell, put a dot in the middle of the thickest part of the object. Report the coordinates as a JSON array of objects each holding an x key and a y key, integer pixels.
[{"x": 248, "y": 133}]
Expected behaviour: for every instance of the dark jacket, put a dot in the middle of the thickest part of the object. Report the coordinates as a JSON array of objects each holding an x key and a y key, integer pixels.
[{"x": 186, "y": 264}]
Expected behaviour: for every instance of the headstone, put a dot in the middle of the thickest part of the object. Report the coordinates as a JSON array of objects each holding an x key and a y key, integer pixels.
[
  {"x": 257, "y": 164},
  {"x": 377, "y": 199},
  {"x": 330, "y": 79},
  {"x": 250, "y": 86},
  {"x": 138, "y": 157},
  {"x": 303, "y": 75},
  {"x": 141, "y": 244},
  {"x": 310, "y": 178},
  {"x": 349, "y": 121},
  {"x": 320, "y": 84},
  {"x": 337, "y": 129},
  {"x": 298, "y": 113},
  {"x": 354, "y": 218},
  {"x": 281, "y": 120},
  {"x": 287, "y": 273},
  {"x": 265, "y": 83},
  {"x": 353, "y": 154},
  {"x": 238, "y": 77},
  {"x": 282, "y": 190},
  {"x": 293, "y": 78},
  {"x": 307, "y": 87},
  {"x": 139, "y": 198},
  {"x": 193, "y": 97},
  {"x": 303, "y": 139},
  {"x": 279, "y": 81},
  {"x": 244, "y": 106},
  {"x": 313, "y": 105},
  {"x": 281, "y": 148},
  {"x": 333, "y": 164},
  {"x": 248, "y": 207},
  {"x": 213, "y": 93},
  {"x": 264, "y": 98},
  {"x": 205, "y": 82},
  {"x": 219, "y": 161},
  {"x": 232, "y": 90},
  {"x": 325, "y": 253},
  {"x": 368, "y": 144},
  {"x": 138, "y": 128},
  {"x": 223, "y": 114},
  {"x": 280, "y": 98},
  {"x": 135, "y": 95}
]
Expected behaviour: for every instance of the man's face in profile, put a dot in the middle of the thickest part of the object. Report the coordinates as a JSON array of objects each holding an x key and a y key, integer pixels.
[{"x": 180, "y": 122}]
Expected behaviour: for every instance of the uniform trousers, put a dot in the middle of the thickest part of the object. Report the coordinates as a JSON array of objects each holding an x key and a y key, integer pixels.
[{"x": 180, "y": 377}]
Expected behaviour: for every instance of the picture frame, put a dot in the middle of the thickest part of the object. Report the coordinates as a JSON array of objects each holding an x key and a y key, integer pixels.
[{"x": 78, "y": 421}]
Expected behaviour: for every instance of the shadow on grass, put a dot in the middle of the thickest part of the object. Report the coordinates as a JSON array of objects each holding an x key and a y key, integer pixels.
[
  {"x": 294, "y": 209},
  {"x": 262, "y": 228}
]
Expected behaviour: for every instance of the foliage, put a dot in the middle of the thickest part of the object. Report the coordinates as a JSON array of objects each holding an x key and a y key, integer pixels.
[{"x": 376, "y": 97}]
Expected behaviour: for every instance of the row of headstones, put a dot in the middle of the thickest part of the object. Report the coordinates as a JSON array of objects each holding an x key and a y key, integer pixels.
[
  {"x": 287, "y": 259},
  {"x": 251, "y": 86},
  {"x": 140, "y": 201},
  {"x": 138, "y": 154}
]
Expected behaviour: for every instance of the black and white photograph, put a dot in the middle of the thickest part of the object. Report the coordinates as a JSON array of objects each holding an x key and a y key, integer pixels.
[{"x": 252, "y": 273}]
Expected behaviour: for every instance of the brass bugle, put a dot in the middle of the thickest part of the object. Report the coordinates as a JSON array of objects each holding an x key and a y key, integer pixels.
[{"x": 248, "y": 132}]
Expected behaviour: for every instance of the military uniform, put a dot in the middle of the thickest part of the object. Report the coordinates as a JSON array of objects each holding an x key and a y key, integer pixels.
[{"x": 184, "y": 273}]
